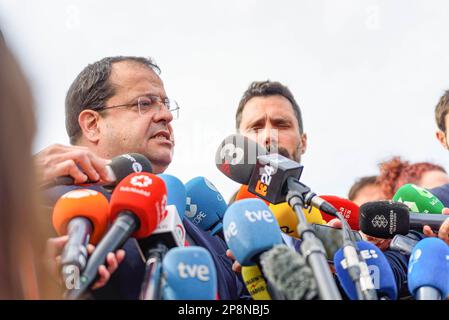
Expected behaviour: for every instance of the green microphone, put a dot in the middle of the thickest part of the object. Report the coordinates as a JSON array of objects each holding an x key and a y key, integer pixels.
[{"x": 418, "y": 199}]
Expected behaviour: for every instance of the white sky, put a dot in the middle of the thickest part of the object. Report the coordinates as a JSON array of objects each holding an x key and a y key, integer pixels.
[{"x": 367, "y": 74}]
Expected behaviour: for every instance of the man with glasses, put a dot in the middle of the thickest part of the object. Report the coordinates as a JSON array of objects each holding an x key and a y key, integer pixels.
[{"x": 119, "y": 105}]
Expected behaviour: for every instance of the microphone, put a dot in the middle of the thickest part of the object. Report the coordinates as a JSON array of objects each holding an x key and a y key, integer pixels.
[
  {"x": 237, "y": 156},
  {"x": 275, "y": 178},
  {"x": 348, "y": 209},
  {"x": 418, "y": 199},
  {"x": 288, "y": 221},
  {"x": 170, "y": 233},
  {"x": 249, "y": 230},
  {"x": 255, "y": 283},
  {"x": 428, "y": 270},
  {"x": 243, "y": 193},
  {"x": 118, "y": 169},
  {"x": 84, "y": 216},
  {"x": 177, "y": 193},
  {"x": 189, "y": 274},
  {"x": 379, "y": 269},
  {"x": 288, "y": 272},
  {"x": 285, "y": 216},
  {"x": 205, "y": 205},
  {"x": 269, "y": 176},
  {"x": 385, "y": 219},
  {"x": 137, "y": 206}
]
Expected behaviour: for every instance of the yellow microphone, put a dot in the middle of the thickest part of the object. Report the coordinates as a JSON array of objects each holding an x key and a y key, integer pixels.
[
  {"x": 255, "y": 283},
  {"x": 288, "y": 221}
]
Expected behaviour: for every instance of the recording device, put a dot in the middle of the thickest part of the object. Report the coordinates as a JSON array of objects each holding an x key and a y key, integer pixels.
[{"x": 403, "y": 244}]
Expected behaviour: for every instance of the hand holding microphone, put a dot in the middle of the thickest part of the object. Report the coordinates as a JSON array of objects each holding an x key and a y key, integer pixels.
[
  {"x": 443, "y": 232},
  {"x": 137, "y": 207},
  {"x": 77, "y": 162},
  {"x": 80, "y": 170},
  {"x": 55, "y": 247}
]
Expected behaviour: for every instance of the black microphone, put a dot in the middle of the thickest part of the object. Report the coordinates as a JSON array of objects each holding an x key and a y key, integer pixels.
[
  {"x": 385, "y": 219},
  {"x": 118, "y": 169},
  {"x": 275, "y": 178},
  {"x": 169, "y": 234}
]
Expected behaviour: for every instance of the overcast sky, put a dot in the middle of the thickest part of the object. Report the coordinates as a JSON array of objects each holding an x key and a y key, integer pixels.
[{"x": 367, "y": 74}]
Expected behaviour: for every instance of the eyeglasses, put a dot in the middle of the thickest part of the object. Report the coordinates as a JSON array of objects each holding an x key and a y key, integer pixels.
[{"x": 146, "y": 103}]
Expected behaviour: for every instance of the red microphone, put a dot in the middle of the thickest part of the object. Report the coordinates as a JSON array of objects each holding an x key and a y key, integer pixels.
[
  {"x": 348, "y": 209},
  {"x": 137, "y": 207}
]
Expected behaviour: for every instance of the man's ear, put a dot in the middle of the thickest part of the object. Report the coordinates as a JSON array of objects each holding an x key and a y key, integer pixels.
[
  {"x": 303, "y": 146},
  {"x": 441, "y": 136},
  {"x": 88, "y": 121}
]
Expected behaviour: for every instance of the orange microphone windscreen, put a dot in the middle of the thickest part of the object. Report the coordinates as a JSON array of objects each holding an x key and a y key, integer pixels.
[
  {"x": 245, "y": 194},
  {"x": 145, "y": 195},
  {"x": 86, "y": 203},
  {"x": 347, "y": 208}
]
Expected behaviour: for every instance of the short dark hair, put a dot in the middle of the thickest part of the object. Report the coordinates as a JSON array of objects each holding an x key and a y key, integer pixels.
[
  {"x": 92, "y": 88},
  {"x": 441, "y": 111},
  {"x": 265, "y": 89},
  {"x": 360, "y": 184}
]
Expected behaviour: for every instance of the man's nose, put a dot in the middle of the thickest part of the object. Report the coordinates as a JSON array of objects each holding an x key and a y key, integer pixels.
[
  {"x": 268, "y": 137},
  {"x": 163, "y": 114}
]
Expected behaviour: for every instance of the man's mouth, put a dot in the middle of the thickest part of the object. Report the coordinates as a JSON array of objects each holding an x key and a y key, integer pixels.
[{"x": 162, "y": 136}]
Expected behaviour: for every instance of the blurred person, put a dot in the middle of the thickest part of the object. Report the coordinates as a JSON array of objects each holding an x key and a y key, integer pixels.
[
  {"x": 20, "y": 241},
  {"x": 114, "y": 106},
  {"x": 394, "y": 173},
  {"x": 366, "y": 189},
  {"x": 24, "y": 230}
]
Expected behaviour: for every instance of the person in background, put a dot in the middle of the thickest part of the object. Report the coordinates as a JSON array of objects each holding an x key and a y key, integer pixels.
[
  {"x": 396, "y": 172},
  {"x": 366, "y": 189}
]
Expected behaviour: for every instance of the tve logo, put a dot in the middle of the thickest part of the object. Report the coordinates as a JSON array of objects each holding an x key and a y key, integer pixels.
[
  {"x": 254, "y": 216},
  {"x": 231, "y": 231},
  {"x": 264, "y": 181},
  {"x": 201, "y": 272}
]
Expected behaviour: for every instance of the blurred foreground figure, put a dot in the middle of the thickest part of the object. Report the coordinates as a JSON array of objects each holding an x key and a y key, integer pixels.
[{"x": 22, "y": 239}]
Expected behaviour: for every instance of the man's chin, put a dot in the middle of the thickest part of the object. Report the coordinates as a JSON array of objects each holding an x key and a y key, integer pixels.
[{"x": 160, "y": 161}]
